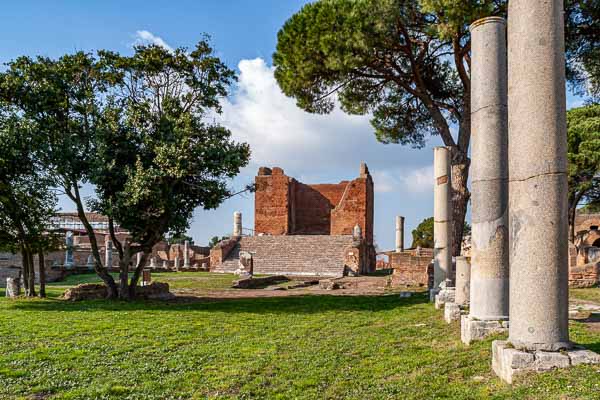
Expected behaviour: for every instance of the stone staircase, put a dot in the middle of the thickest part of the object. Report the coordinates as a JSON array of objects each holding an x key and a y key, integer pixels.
[{"x": 297, "y": 255}]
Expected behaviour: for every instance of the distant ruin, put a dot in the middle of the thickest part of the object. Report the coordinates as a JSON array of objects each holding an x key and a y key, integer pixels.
[{"x": 305, "y": 230}]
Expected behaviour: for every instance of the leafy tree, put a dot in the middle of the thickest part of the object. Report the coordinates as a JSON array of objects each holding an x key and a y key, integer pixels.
[
  {"x": 64, "y": 99},
  {"x": 423, "y": 234},
  {"x": 179, "y": 238},
  {"x": 405, "y": 63},
  {"x": 583, "y": 45},
  {"x": 216, "y": 240},
  {"x": 156, "y": 158},
  {"x": 584, "y": 158},
  {"x": 27, "y": 201}
]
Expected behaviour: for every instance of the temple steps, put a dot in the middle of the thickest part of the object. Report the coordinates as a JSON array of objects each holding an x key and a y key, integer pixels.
[{"x": 297, "y": 255}]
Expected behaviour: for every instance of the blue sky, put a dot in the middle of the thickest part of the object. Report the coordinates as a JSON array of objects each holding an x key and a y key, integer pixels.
[{"x": 314, "y": 149}]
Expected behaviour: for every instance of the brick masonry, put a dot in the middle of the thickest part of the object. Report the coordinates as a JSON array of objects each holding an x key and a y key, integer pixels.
[
  {"x": 410, "y": 269},
  {"x": 285, "y": 206}
]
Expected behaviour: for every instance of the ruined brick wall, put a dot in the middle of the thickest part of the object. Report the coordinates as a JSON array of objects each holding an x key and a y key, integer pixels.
[
  {"x": 355, "y": 207},
  {"x": 272, "y": 202},
  {"x": 284, "y": 206},
  {"x": 410, "y": 269},
  {"x": 585, "y": 275}
]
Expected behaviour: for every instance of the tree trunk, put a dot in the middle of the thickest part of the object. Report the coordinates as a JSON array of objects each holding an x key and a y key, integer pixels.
[
  {"x": 42, "y": 269},
  {"x": 101, "y": 270},
  {"x": 25, "y": 269},
  {"x": 124, "y": 274},
  {"x": 136, "y": 274},
  {"x": 460, "y": 197},
  {"x": 31, "y": 267}
]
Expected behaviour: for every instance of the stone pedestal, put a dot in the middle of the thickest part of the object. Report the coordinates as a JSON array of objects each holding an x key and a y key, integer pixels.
[
  {"x": 473, "y": 329},
  {"x": 451, "y": 312},
  {"x": 463, "y": 278},
  {"x": 443, "y": 296},
  {"x": 13, "y": 287},
  {"x": 508, "y": 362},
  {"x": 442, "y": 216}
]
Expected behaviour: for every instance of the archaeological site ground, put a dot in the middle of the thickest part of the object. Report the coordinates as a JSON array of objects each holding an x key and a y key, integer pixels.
[
  {"x": 313, "y": 345},
  {"x": 175, "y": 226}
]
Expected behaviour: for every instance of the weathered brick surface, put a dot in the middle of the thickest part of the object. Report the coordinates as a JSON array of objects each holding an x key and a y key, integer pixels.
[
  {"x": 284, "y": 206},
  {"x": 410, "y": 269},
  {"x": 585, "y": 275},
  {"x": 272, "y": 202},
  {"x": 308, "y": 255}
]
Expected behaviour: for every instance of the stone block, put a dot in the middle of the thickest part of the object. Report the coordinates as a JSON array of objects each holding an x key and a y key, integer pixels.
[
  {"x": 582, "y": 356},
  {"x": 508, "y": 362},
  {"x": 13, "y": 287},
  {"x": 548, "y": 360},
  {"x": 451, "y": 312},
  {"x": 445, "y": 295},
  {"x": 473, "y": 329}
]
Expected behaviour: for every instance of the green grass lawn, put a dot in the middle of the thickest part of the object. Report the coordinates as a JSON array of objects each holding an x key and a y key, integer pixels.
[{"x": 310, "y": 347}]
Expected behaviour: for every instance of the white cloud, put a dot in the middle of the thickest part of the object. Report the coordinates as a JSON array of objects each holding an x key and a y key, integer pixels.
[
  {"x": 419, "y": 180},
  {"x": 415, "y": 180},
  {"x": 281, "y": 134},
  {"x": 144, "y": 37}
]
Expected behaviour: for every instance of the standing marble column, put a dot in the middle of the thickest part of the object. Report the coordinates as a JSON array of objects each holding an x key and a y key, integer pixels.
[
  {"x": 537, "y": 149},
  {"x": 442, "y": 216},
  {"x": 489, "y": 170},
  {"x": 488, "y": 311},
  {"x": 69, "y": 251},
  {"x": 108, "y": 254},
  {"x": 237, "y": 224},
  {"x": 399, "y": 234},
  {"x": 538, "y": 177},
  {"x": 186, "y": 254}
]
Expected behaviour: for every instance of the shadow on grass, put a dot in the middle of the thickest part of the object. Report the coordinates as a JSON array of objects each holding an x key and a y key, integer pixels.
[{"x": 271, "y": 305}]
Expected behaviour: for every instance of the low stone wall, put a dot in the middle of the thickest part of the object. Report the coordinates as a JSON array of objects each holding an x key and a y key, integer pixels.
[
  {"x": 411, "y": 270},
  {"x": 584, "y": 276}
]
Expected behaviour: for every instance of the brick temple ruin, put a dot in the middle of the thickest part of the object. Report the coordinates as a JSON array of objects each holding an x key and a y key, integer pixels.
[{"x": 305, "y": 230}]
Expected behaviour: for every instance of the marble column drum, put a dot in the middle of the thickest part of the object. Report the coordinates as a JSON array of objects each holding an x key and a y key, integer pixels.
[
  {"x": 237, "y": 224},
  {"x": 489, "y": 294},
  {"x": 399, "y": 234},
  {"x": 538, "y": 176},
  {"x": 442, "y": 216}
]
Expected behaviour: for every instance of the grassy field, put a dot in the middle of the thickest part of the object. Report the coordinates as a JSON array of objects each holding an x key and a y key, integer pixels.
[{"x": 311, "y": 347}]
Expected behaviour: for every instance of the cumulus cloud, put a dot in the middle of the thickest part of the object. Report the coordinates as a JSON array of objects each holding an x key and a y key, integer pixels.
[
  {"x": 144, "y": 37},
  {"x": 415, "y": 180},
  {"x": 281, "y": 134}
]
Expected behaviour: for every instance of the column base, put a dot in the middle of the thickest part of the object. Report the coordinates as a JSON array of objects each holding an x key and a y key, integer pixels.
[
  {"x": 452, "y": 312},
  {"x": 472, "y": 329},
  {"x": 508, "y": 362}
]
